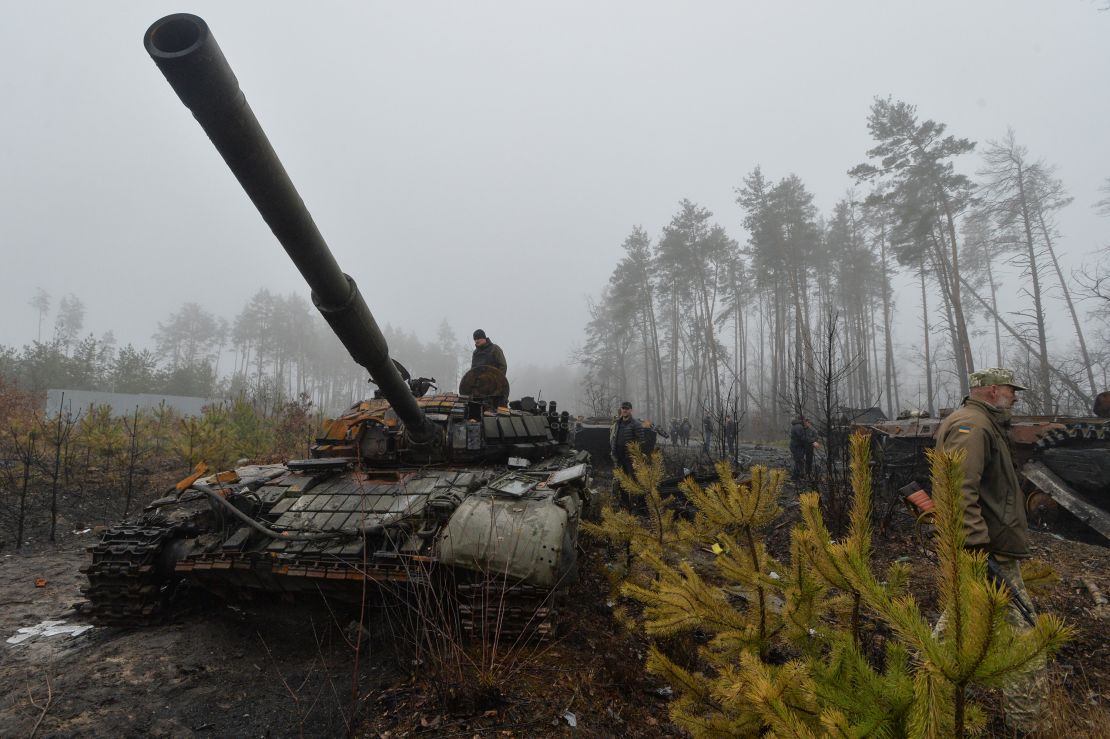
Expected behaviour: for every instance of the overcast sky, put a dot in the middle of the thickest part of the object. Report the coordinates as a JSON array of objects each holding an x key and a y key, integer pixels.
[{"x": 482, "y": 162}]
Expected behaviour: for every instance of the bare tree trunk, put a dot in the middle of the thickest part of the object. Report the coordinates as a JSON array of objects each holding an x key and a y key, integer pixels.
[
  {"x": 713, "y": 380},
  {"x": 762, "y": 352},
  {"x": 778, "y": 352},
  {"x": 800, "y": 342},
  {"x": 674, "y": 344},
  {"x": 806, "y": 332},
  {"x": 26, "y": 454},
  {"x": 1045, "y": 390},
  {"x": 994, "y": 309},
  {"x": 1067, "y": 381},
  {"x": 647, "y": 367},
  {"x": 58, "y": 440},
  {"x": 957, "y": 306},
  {"x": 944, "y": 272},
  {"x": 23, "y": 498},
  {"x": 890, "y": 376},
  {"x": 745, "y": 390},
  {"x": 132, "y": 458},
  {"x": 655, "y": 352},
  {"x": 864, "y": 372},
  {"x": 874, "y": 352},
  {"x": 1067, "y": 298},
  {"x": 925, "y": 331}
]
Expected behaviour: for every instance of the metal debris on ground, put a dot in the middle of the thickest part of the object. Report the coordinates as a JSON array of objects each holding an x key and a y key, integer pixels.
[{"x": 47, "y": 628}]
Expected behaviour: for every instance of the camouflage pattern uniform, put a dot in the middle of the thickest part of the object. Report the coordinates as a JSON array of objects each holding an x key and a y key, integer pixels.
[{"x": 994, "y": 519}]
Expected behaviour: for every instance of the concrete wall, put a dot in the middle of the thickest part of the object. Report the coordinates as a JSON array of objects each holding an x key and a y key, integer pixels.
[{"x": 76, "y": 401}]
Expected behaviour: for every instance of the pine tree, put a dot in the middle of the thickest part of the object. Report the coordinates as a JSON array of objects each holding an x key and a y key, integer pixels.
[
  {"x": 664, "y": 535},
  {"x": 839, "y": 564},
  {"x": 975, "y": 645},
  {"x": 786, "y": 657},
  {"x": 738, "y": 512}
]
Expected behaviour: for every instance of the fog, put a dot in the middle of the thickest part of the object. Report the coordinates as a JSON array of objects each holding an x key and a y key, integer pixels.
[{"x": 482, "y": 162}]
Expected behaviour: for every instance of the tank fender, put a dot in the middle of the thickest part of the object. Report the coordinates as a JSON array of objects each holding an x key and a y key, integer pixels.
[{"x": 524, "y": 540}]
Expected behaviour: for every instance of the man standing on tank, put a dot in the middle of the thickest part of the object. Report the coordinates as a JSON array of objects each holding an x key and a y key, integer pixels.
[
  {"x": 624, "y": 431},
  {"x": 486, "y": 353}
]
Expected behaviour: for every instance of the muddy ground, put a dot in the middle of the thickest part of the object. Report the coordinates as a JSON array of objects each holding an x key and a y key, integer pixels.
[{"x": 273, "y": 669}]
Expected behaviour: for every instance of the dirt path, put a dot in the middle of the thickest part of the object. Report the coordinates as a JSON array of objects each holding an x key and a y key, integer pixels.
[
  {"x": 227, "y": 673},
  {"x": 216, "y": 670}
]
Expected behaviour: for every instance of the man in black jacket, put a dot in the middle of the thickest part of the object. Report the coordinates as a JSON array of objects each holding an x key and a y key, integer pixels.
[
  {"x": 803, "y": 440},
  {"x": 489, "y": 355},
  {"x": 486, "y": 353},
  {"x": 624, "y": 431},
  {"x": 730, "y": 431}
]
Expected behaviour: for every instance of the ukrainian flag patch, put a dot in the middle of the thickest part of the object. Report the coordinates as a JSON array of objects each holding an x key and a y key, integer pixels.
[{"x": 964, "y": 429}]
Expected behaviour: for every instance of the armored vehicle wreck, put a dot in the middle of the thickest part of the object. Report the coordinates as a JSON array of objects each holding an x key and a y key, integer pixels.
[
  {"x": 445, "y": 491},
  {"x": 1062, "y": 461}
]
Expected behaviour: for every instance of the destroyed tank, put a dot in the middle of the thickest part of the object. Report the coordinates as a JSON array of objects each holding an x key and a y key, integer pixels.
[
  {"x": 1062, "y": 461},
  {"x": 450, "y": 491}
]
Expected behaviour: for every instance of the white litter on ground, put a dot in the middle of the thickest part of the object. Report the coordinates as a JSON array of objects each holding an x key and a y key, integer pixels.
[{"x": 48, "y": 628}]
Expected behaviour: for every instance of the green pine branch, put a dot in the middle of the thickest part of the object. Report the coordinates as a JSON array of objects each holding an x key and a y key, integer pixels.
[{"x": 786, "y": 655}]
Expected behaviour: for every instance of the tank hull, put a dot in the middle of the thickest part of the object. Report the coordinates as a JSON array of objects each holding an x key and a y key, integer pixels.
[{"x": 337, "y": 529}]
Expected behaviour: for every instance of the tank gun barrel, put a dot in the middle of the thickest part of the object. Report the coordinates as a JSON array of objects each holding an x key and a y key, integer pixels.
[{"x": 185, "y": 51}]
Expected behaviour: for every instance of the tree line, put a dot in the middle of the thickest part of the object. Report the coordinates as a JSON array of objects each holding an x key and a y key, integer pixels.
[
  {"x": 695, "y": 323},
  {"x": 277, "y": 348},
  {"x": 94, "y": 464}
]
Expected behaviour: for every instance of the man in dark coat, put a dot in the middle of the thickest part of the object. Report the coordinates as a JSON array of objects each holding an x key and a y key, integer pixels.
[
  {"x": 624, "y": 431},
  {"x": 706, "y": 434},
  {"x": 730, "y": 436},
  {"x": 685, "y": 427},
  {"x": 803, "y": 440},
  {"x": 489, "y": 355},
  {"x": 486, "y": 353}
]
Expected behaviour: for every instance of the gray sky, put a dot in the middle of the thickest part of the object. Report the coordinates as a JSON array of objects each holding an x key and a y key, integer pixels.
[{"x": 482, "y": 162}]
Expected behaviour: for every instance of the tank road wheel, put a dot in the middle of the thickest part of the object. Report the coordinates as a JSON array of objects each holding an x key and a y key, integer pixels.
[{"x": 129, "y": 583}]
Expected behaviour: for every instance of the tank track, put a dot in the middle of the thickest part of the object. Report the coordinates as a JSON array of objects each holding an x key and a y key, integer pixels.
[
  {"x": 1072, "y": 431},
  {"x": 508, "y": 613},
  {"x": 125, "y": 585}
]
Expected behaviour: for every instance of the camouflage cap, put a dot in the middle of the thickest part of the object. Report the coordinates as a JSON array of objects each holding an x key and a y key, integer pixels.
[{"x": 994, "y": 376}]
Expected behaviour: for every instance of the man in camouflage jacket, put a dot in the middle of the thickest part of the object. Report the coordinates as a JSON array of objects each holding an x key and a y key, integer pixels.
[{"x": 994, "y": 508}]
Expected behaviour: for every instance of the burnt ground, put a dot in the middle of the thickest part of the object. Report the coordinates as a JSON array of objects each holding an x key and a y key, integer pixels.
[{"x": 283, "y": 670}]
